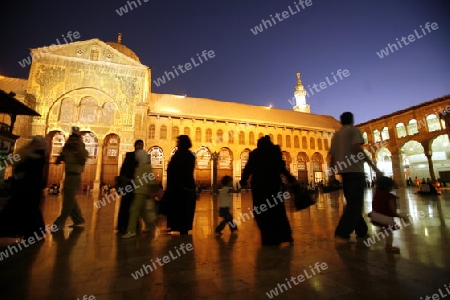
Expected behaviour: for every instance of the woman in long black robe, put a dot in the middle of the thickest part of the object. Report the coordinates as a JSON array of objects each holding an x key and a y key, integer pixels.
[
  {"x": 22, "y": 215},
  {"x": 265, "y": 165},
  {"x": 179, "y": 199}
]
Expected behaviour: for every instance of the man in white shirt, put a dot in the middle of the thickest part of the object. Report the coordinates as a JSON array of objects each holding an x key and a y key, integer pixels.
[{"x": 347, "y": 157}]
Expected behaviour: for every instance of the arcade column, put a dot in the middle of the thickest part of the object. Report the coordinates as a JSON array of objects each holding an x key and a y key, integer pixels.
[
  {"x": 397, "y": 169},
  {"x": 98, "y": 171},
  {"x": 215, "y": 158},
  {"x": 430, "y": 165}
]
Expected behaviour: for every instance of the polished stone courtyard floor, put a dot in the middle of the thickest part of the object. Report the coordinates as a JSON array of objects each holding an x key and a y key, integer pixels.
[{"x": 95, "y": 261}]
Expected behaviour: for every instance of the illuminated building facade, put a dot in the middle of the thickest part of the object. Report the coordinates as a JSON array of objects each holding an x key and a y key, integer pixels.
[{"x": 105, "y": 90}]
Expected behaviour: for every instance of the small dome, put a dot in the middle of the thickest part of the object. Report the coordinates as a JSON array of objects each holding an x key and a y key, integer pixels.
[{"x": 124, "y": 49}]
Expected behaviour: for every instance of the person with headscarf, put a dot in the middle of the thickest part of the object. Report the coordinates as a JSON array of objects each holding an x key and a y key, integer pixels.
[
  {"x": 74, "y": 155},
  {"x": 145, "y": 185},
  {"x": 265, "y": 165},
  {"x": 179, "y": 199},
  {"x": 22, "y": 215}
]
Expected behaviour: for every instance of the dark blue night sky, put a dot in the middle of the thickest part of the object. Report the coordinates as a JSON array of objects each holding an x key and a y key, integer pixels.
[{"x": 260, "y": 69}]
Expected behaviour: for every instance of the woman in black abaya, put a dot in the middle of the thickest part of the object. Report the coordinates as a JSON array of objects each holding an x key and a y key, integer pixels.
[
  {"x": 265, "y": 165},
  {"x": 22, "y": 215},
  {"x": 179, "y": 199}
]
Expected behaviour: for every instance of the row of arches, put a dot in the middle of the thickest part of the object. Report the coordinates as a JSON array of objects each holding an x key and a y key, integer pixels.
[
  {"x": 413, "y": 162},
  {"x": 242, "y": 138},
  {"x": 430, "y": 122},
  {"x": 104, "y": 161}
]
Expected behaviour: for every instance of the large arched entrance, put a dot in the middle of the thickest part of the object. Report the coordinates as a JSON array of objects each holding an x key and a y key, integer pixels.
[
  {"x": 55, "y": 172},
  {"x": 440, "y": 157},
  {"x": 91, "y": 146},
  {"x": 302, "y": 169},
  {"x": 384, "y": 162},
  {"x": 414, "y": 153},
  {"x": 317, "y": 161},
  {"x": 203, "y": 167},
  {"x": 157, "y": 161},
  {"x": 224, "y": 164},
  {"x": 286, "y": 156},
  {"x": 244, "y": 158},
  {"x": 110, "y": 159}
]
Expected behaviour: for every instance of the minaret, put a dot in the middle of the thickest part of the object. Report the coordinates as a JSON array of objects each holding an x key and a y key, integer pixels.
[{"x": 300, "y": 97}]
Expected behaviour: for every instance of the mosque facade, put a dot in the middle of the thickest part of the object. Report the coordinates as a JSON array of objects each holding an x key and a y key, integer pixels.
[{"x": 104, "y": 89}]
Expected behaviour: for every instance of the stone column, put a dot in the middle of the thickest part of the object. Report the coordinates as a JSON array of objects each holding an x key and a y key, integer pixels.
[
  {"x": 215, "y": 158},
  {"x": 430, "y": 165},
  {"x": 397, "y": 169},
  {"x": 98, "y": 170}
]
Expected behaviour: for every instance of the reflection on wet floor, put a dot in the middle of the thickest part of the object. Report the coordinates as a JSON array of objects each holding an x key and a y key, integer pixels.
[{"x": 95, "y": 261}]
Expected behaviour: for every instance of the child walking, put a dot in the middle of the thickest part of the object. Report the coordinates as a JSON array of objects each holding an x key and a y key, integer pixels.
[
  {"x": 384, "y": 209},
  {"x": 225, "y": 197}
]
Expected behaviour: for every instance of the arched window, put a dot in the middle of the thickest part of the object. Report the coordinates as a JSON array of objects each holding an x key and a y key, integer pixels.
[
  {"x": 231, "y": 137},
  {"x": 108, "y": 113},
  {"x": 385, "y": 134},
  {"x": 317, "y": 161},
  {"x": 66, "y": 113},
  {"x": 198, "y": 135},
  {"x": 208, "y": 135},
  {"x": 312, "y": 144},
  {"x": 88, "y": 110},
  {"x": 251, "y": 138},
  {"x": 280, "y": 140},
  {"x": 151, "y": 131},
  {"x": 304, "y": 143},
  {"x": 156, "y": 157},
  {"x": 163, "y": 132},
  {"x": 187, "y": 131},
  {"x": 401, "y": 130},
  {"x": 219, "y": 137},
  {"x": 175, "y": 132},
  {"x": 319, "y": 144},
  {"x": 90, "y": 144},
  {"x": 376, "y": 136},
  {"x": 412, "y": 127},
  {"x": 325, "y": 141},
  {"x": 433, "y": 123},
  {"x": 364, "y": 135},
  {"x": 271, "y": 137},
  {"x": 112, "y": 146},
  {"x": 58, "y": 142},
  {"x": 244, "y": 158},
  {"x": 241, "y": 138},
  {"x": 296, "y": 142},
  {"x": 288, "y": 141},
  {"x": 260, "y": 135}
]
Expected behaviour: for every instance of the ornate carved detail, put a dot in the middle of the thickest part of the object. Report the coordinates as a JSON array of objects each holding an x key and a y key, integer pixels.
[
  {"x": 128, "y": 85},
  {"x": 48, "y": 77}
]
